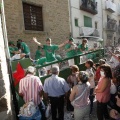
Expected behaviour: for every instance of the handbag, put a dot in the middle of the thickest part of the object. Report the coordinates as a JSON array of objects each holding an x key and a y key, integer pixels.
[
  {"x": 48, "y": 111},
  {"x": 73, "y": 102},
  {"x": 29, "y": 111}
]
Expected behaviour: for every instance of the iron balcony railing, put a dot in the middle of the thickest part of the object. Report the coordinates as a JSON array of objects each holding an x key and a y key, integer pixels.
[{"x": 89, "y": 6}]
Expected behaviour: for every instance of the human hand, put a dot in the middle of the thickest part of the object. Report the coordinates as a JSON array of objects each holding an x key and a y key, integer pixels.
[
  {"x": 34, "y": 39},
  {"x": 114, "y": 114}
]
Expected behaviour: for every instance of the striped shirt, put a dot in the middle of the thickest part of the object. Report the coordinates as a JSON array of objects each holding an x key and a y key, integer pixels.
[{"x": 30, "y": 86}]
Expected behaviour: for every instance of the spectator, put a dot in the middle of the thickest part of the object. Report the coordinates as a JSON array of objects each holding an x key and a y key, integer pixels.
[
  {"x": 115, "y": 114},
  {"x": 80, "y": 94},
  {"x": 102, "y": 61},
  {"x": 114, "y": 62},
  {"x": 90, "y": 71},
  {"x": 72, "y": 81},
  {"x": 55, "y": 88},
  {"x": 102, "y": 91},
  {"x": 30, "y": 88},
  {"x": 49, "y": 50},
  {"x": 115, "y": 56}
]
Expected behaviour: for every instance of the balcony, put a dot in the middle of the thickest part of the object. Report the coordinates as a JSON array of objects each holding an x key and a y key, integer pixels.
[
  {"x": 90, "y": 7},
  {"x": 111, "y": 25},
  {"x": 110, "y": 6},
  {"x": 87, "y": 31}
]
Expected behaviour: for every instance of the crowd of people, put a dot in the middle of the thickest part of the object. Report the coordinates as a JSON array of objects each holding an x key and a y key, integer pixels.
[{"x": 99, "y": 82}]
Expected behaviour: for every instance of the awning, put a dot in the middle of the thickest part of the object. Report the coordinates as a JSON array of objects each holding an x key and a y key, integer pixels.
[{"x": 87, "y": 31}]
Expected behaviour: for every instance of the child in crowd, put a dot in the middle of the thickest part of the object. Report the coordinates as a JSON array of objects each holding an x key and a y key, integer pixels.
[{"x": 89, "y": 64}]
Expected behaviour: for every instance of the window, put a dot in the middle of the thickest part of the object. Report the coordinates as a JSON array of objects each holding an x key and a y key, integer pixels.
[
  {"x": 76, "y": 22},
  {"x": 87, "y": 21},
  {"x": 33, "y": 18}
]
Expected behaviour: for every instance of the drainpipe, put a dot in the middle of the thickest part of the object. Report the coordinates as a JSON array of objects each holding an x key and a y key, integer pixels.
[
  {"x": 70, "y": 14},
  {"x": 5, "y": 38}
]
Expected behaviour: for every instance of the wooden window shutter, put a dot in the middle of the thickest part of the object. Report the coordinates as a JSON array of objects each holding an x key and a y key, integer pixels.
[
  {"x": 87, "y": 21},
  {"x": 33, "y": 18},
  {"x": 76, "y": 22}
]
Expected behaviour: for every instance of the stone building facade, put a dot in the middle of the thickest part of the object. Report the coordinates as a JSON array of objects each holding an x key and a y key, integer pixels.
[{"x": 55, "y": 15}]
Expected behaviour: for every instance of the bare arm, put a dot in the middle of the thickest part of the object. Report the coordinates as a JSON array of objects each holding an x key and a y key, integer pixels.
[
  {"x": 35, "y": 40},
  {"x": 63, "y": 44},
  {"x": 73, "y": 93},
  {"x": 104, "y": 85}
]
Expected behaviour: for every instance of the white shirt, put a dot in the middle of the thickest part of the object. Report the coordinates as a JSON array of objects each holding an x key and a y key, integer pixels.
[{"x": 91, "y": 77}]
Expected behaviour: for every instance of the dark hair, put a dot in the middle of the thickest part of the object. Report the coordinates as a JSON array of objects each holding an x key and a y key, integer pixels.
[
  {"x": 102, "y": 61},
  {"x": 90, "y": 62},
  {"x": 107, "y": 70},
  {"x": 97, "y": 65},
  {"x": 83, "y": 76}
]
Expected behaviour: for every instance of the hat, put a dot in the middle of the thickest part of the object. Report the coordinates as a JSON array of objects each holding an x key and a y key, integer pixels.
[
  {"x": 55, "y": 69},
  {"x": 31, "y": 69},
  {"x": 71, "y": 39},
  {"x": 48, "y": 39}
]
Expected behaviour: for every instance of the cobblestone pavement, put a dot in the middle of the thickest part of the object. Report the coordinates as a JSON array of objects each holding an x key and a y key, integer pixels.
[{"x": 67, "y": 115}]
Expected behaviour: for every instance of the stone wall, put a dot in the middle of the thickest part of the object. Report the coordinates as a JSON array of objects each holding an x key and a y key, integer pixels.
[{"x": 55, "y": 16}]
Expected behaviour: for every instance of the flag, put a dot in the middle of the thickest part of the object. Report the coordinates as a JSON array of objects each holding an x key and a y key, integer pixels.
[{"x": 19, "y": 74}]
